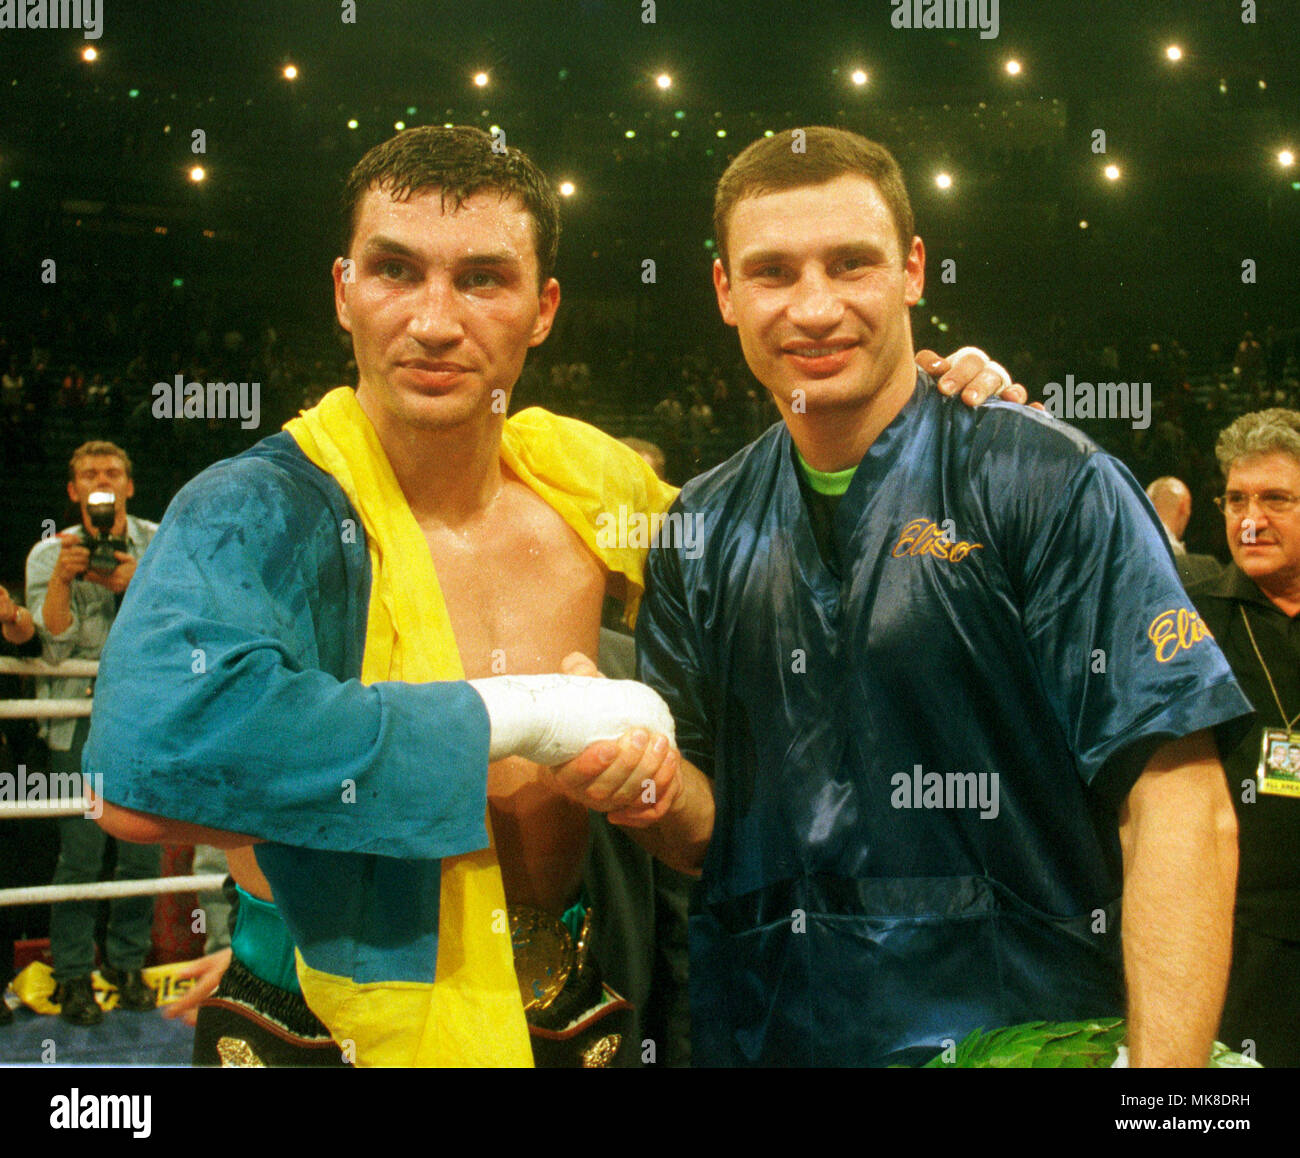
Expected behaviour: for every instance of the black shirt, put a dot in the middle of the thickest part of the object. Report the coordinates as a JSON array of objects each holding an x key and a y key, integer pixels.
[
  {"x": 1268, "y": 882},
  {"x": 821, "y": 513}
]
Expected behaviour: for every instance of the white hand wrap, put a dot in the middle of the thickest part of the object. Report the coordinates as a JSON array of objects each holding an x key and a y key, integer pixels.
[{"x": 551, "y": 718}]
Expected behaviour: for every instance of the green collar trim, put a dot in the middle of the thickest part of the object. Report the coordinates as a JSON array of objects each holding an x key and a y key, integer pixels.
[{"x": 833, "y": 482}]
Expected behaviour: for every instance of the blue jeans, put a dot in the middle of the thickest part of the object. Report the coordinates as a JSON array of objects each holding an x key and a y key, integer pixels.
[{"x": 81, "y": 856}]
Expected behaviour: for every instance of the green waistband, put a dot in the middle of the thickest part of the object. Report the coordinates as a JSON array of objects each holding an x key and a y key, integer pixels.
[
  {"x": 262, "y": 942},
  {"x": 573, "y": 918}
]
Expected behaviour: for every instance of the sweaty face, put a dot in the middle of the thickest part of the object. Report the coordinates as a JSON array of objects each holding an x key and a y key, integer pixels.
[
  {"x": 819, "y": 292},
  {"x": 442, "y": 306},
  {"x": 1264, "y": 544}
]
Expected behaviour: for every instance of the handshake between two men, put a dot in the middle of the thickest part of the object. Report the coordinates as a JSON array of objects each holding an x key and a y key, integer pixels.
[{"x": 609, "y": 744}]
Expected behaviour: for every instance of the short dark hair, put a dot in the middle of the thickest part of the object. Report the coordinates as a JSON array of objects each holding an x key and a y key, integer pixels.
[
  {"x": 97, "y": 449},
  {"x": 461, "y": 161},
  {"x": 811, "y": 156}
]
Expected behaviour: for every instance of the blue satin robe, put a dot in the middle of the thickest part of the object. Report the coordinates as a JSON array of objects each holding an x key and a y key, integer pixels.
[{"x": 838, "y": 923}]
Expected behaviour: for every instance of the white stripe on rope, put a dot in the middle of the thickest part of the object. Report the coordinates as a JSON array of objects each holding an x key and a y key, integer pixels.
[
  {"x": 68, "y": 667},
  {"x": 47, "y": 709},
  {"x": 44, "y": 894}
]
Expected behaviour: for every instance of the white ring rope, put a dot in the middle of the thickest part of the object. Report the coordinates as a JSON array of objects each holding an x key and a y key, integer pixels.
[
  {"x": 46, "y": 709},
  {"x": 34, "y": 809},
  {"x": 38, "y": 667},
  {"x": 76, "y": 806},
  {"x": 45, "y": 894},
  {"x": 43, "y": 709}
]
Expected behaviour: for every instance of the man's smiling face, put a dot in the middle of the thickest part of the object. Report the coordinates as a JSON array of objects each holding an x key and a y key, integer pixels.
[
  {"x": 819, "y": 292},
  {"x": 443, "y": 305}
]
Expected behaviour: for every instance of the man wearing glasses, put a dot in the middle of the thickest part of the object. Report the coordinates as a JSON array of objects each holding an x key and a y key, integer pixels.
[{"x": 1251, "y": 609}]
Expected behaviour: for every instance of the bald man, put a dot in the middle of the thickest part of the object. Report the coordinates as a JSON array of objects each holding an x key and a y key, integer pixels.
[{"x": 1173, "y": 503}]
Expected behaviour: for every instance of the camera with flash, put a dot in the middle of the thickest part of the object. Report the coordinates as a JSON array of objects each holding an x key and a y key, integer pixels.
[{"x": 101, "y": 507}]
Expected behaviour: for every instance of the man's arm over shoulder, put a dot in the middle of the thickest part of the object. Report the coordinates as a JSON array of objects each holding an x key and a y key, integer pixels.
[{"x": 228, "y": 697}]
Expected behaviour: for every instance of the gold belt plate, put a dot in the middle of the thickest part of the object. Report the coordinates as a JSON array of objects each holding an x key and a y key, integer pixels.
[{"x": 545, "y": 955}]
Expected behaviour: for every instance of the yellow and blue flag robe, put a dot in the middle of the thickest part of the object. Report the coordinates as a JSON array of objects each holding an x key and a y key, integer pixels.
[{"x": 283, "y": 665}]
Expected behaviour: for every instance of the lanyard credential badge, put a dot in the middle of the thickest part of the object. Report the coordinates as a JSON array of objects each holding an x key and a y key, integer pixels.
[
  {"x": 1279, "y": 753},
  {"x": 1279, "y": 763}
]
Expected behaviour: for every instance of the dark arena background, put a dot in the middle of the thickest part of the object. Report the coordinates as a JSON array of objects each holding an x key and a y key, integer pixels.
[
  {"x": 1107, "y": 190},
  {"x": 1058, "y": 269}
]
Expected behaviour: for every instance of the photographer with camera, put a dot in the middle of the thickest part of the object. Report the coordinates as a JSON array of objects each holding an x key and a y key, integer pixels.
[{"x": 75, "y": 582}]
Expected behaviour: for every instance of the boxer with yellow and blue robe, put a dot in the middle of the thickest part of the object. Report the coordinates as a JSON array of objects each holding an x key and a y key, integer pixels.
[{"x": 285, "y": 668}]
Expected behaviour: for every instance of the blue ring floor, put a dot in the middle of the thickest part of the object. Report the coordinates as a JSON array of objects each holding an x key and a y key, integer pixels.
[{"x": 121, "y": 1039}]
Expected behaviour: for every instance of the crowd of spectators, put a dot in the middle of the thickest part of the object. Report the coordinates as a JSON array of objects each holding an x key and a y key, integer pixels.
[
  {"x": 78, "y": 373},
  {"x": 60, "y": 387}
]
